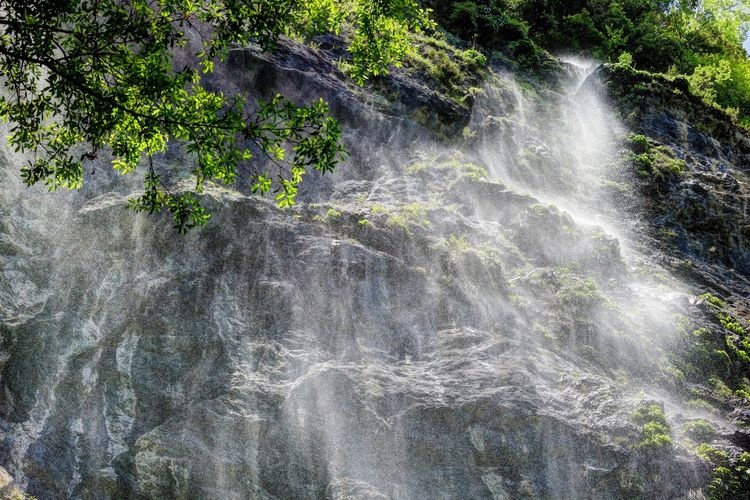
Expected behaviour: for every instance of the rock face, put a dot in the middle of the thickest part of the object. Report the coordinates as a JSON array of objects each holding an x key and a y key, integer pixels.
[
  {"x": 705, "y": 205},
  {"x": 428, "y": 323}
]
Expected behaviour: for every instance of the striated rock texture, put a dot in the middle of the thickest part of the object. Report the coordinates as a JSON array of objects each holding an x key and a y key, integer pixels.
[
  {"x": 433, "y": 321},
  {"x": 704, "y": 204}
]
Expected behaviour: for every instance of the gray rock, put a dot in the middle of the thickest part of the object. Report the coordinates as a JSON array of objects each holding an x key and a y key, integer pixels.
[{"x": 469, "y": 339}]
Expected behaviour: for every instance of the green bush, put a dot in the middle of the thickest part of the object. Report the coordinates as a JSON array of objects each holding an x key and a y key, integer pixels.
[
  {"x": 699, "y": 430},
  {"x": 731, "y": 475},
  {"x": 655, "y": 430},
  {"x": 653, "y": 162}
]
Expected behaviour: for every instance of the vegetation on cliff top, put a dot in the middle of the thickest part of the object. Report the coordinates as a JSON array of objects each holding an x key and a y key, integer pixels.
[{"x": 700, "y": 39}]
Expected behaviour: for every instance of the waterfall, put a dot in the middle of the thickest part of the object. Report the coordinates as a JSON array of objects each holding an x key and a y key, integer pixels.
[{"x": 478, "y": 321}]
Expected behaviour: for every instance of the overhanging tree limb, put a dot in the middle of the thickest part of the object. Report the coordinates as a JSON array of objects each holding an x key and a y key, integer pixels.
[{"x": 100, "y": 73}]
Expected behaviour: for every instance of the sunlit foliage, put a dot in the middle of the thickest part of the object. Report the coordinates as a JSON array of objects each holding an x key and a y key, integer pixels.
[
  {"x": 701, "y": 39},
  {"x": 380, "y": 30},
  {"x": 89, "y": 78}
]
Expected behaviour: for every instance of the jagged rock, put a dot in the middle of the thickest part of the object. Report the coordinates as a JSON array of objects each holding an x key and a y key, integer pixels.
[
  {"x": 706, "y": 205},
  {"x": 420, "y": 331}
]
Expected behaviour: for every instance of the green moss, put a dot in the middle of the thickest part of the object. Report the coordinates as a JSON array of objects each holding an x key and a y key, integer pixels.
[
  {"x": 451, "y": 71},
  {"x": 720, "y": 356},
  {"x": 520, "y": 301},
  {"x": 674, "y": 375},
  {"x": 376, "y": 209},
  {"x": 467, "y": 133},
  {"x": 457, "y": 244},
  {"x": 488, "y": 254},
  {"x": 655, "y": 430},
  {"x": 650, "y": 412},
  {"x": 620, "y": 188},
  {"x": 8, "y": 248},
  {"x": 453, "y": 164},
  {"x": 743, "y": 390},
  {"x": 731, "y": 323},
  {"x": 569, "y": 316},
  {"x": 631, "y": 483},
  {"x": 653, "y": 162},
  {"x": 399, "y": 221},
  {"x": 654, "y": 436},
  {"x": 699, "y": 430},
  {"x": 575, "y": 290},
  {"x": 638, "y": 143},
  {"x": 719, "y": 387},
  {"x": 701, "y": 404},
  {"x": 11, "y": 492},
  {"x": 401, "y": 216},
  {"x": 711, "y": 454},
  {"x": 408, "y": 213},
  {"x": 332, "y": 213},
  {"x": 667, "y": 233},
  {"x": 414, "y": 210}
]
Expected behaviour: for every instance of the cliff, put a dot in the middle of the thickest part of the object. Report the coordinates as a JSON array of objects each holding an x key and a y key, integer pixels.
[{"x": 520, "y": 291}]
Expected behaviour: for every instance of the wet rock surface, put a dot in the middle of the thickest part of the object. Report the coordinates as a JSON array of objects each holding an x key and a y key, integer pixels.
[
  {"x": 425, "y": 324},
  {"x": 705, "y": 206}
]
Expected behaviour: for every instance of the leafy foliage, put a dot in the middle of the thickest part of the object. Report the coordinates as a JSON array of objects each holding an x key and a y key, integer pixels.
[
  {"x": 380, "y": 31},
  {"x": 655, "y": 430},
  {"x": 734, "y": 337},
  {"x": 653, "y": 163},
  {"x": 382, "y": 38},
  {"x": 446, "y": 69},
  {"x": 701, "y": 39},
  {"x": 705, "y": 79},
  {"x": 97, "y": 77},
  {"x": 731, "y": 474},
  {"x": 699, "y": 430}
]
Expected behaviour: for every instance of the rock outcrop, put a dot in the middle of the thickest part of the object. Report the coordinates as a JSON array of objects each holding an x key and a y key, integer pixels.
[{"x": 424, "y": 324}]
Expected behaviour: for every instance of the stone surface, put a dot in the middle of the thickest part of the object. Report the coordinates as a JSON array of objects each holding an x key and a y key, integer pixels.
[
  {"x": 706, "y": 206},
  {"x": 5, "y": 478},
  {"x": 425, "y": 324}
]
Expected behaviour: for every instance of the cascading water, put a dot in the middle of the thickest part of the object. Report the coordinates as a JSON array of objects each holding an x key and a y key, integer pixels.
[{"x": 466, "y": 324}]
